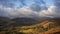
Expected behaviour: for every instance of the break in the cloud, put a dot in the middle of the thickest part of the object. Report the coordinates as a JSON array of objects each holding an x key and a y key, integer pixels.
[{"x": 34, "y": 8}]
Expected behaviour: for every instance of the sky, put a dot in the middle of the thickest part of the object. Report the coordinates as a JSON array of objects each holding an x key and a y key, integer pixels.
[{"x": 30, "y": 8}]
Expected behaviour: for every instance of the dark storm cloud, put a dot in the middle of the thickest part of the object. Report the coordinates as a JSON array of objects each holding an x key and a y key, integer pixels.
[{"x": 37, "y": 6}]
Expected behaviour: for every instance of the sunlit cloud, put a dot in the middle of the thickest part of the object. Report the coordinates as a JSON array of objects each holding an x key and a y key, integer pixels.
[{"x": 52, "y": 11}]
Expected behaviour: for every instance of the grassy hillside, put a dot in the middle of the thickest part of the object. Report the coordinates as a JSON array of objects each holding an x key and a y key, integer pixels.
[
  {"x": 49, "y": 26},
  {"x": 45, "y": 27}
]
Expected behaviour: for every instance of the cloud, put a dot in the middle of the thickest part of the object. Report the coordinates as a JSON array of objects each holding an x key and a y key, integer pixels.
[
  {"x": 38, "y": 5},
  {"x": 7, "y": 8},
  {"x": 5, "y": 11},
  {"x": 35, "y": 7},
  {"x": 21, "y": 12},
  {"x": 27, "y": 12},
  {"x": 23, "y": 2},
  {"x": 52, "y": 11},
  {"x": 39, "y": 1},
  {"x": 12, "y": 3},
  {"x": 49, "y": 12},
  {"x": 57, "y": 3},
  {"x": 7, "y": 3}
]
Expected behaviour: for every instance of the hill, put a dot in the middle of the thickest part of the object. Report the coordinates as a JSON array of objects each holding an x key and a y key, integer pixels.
[
  {"x": 24, "y": 21},
  {"x": 31, "y": 26},
  {"x": 50, "y": 26}
]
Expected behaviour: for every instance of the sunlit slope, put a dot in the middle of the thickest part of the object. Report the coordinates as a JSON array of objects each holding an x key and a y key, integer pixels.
[{"x": 46, "y": 27}]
